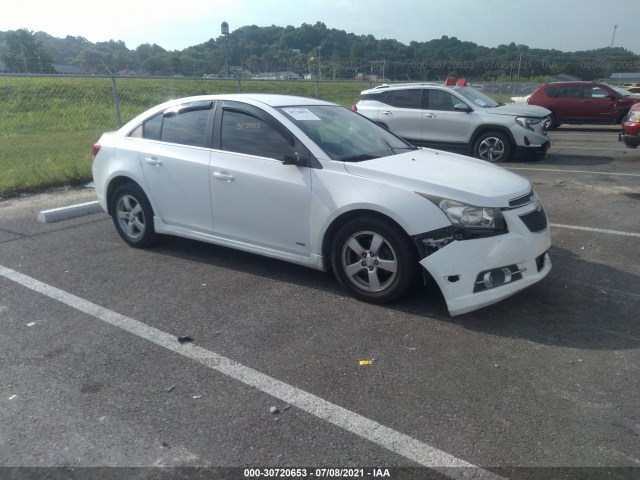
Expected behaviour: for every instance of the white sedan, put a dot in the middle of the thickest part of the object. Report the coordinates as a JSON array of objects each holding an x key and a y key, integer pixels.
[{"x": 313, "y": 183}]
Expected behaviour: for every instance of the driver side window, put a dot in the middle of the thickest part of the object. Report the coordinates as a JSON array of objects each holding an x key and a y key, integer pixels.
[{"x": 244, "y": 133}]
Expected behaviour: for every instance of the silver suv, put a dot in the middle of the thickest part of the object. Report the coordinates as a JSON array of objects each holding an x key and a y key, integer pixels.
[{"x": 454, "y": 116}]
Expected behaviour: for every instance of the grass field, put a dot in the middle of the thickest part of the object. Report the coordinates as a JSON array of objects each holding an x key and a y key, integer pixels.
[{"x": 48, "y": 124}]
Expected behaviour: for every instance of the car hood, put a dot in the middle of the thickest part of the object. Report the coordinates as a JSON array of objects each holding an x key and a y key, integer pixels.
[
  {"x": 519, "y": 110},
  {"x": 445, "y": 175}
]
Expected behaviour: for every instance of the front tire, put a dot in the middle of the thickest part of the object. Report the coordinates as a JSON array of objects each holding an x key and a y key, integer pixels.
[
  {"x": 133, "y": 216},
  {"x": 492, "y": 147},
  {"x": 553, "y": 121},
  {"x": 373, "y": 259}
]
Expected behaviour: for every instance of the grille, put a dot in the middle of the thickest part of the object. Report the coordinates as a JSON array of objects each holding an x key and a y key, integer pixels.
[
  {"x": 535, "y": 221},
  {"x": 523, "y": 200}
]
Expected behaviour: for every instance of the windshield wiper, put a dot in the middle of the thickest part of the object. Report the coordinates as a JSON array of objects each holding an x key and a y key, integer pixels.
[
  {"x": 412, "y": 147},
  {"x": 359, "y": 158},
  {"x": 386, "y": 144},
  {"x": 392, "y": 150}
]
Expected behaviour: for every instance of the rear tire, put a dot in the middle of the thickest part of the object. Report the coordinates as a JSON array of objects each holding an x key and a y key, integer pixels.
[{"x": 133, "y": 216}]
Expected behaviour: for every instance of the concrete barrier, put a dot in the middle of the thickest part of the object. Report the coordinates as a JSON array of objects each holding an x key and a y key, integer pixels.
[{"x": 72, "y": 211}]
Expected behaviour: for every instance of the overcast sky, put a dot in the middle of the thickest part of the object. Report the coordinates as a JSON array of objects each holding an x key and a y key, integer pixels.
[{"x": 567, "y": 25}]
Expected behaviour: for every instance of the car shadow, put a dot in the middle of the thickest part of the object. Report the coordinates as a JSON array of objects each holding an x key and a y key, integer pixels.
[
  {"x": 566, "y": 309},
  {"x": 588, "y": 129},
  {"x": 562, "y": 159}
]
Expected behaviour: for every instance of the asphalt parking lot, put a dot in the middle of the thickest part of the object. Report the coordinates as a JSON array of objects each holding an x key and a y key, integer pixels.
[{"x": 286, "y": 370}]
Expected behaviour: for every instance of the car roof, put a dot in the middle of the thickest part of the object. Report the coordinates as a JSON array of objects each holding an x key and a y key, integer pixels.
[
  {"x": 402, "y": 86},
  {"x": 272, "y": 100},
  {"x": 256, "y": 99},
  {"x": 575, "y": 82}
]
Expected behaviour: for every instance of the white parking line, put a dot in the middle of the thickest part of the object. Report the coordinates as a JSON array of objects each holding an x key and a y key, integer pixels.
[
  {"x": 574, "y": 171},
  {"x": 591, "y": 148},
  {"x": 365, "y": 428},
  {"x": 596, "y": 230}
]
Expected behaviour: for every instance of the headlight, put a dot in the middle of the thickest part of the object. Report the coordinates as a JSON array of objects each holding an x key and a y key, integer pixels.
[
  {"x": 470, "y": 216},
  {"x": 471, "y": 219},
  {"x": 527, "y": 122}
]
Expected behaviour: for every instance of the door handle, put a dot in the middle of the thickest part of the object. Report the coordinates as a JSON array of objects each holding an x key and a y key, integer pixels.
[
  {"x": 430, "y": 115},
  {"x": 387, "y": 113},
  {"x": 153, "y": 161},
  {"x": 223, "y": 176}
]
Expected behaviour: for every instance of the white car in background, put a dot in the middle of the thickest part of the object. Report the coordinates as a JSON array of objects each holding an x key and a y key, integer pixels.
[
  {"x": 521, "y": 100},
  {"x": 313, "y": 183},
  {"x": 454, "y": 116}
]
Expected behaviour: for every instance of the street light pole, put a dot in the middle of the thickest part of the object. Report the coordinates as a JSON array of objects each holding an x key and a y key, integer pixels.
[{"x": 225, "y": 31}]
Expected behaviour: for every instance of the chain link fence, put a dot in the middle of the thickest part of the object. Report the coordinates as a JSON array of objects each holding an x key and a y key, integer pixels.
[{"x": 49, "y": 123}]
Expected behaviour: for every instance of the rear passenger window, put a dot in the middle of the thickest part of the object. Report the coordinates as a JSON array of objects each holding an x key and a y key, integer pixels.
[
  {"x": 188, "y": 128},
  {"x": 408, "y": 99},
  {"x": 384, "y": 97},
  {"x": 185, "y": 125},
  {"x": 570, "y": 91}
]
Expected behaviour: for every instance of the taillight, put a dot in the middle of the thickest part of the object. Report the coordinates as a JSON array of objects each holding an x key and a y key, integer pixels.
[
  {"x": 95, "y": 149},
  {"x": 354, "y": 109}
]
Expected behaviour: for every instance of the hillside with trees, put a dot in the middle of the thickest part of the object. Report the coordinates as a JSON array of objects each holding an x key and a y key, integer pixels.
[{"x": 312, "y": 51}]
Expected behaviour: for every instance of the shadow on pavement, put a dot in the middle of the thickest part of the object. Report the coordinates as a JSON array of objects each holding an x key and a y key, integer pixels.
[{"x": 579, "y": 305}]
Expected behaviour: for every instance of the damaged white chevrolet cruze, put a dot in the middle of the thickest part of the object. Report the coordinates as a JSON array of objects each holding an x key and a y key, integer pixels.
[{"x": 313, "y": 183}]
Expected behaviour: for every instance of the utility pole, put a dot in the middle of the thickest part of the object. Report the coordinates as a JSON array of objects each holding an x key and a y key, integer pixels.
[
  {"x": 24, "y": 61},
  {"x": 613, "y": 37}
]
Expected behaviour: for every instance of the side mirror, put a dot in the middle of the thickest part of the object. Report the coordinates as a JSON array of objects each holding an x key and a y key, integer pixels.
[
  {"x": 291, "y": 159},
  {"x": 462, "y": 107},
  {"x": 611, "y": 96}
]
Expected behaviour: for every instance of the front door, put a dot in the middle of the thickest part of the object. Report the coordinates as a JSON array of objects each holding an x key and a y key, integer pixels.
[{"x": 256, "y": 198}]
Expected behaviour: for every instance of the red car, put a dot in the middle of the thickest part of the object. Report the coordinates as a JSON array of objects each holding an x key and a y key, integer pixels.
[
  {"x": 631, "y": 128},
  {"x": 584, "y": 102}
]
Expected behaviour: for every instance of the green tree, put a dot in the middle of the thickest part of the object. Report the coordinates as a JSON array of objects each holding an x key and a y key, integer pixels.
[{"x": 25, "y": 53}]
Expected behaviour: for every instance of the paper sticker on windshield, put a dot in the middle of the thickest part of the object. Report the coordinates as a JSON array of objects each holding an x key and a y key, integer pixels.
[{"x": 301, "y": 114}]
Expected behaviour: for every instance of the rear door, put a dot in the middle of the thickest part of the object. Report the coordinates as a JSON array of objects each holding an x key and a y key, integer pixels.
[
  {"x": 404, "y": 118},
  {"x": 174, "y": 157},
  {"x": 570, "y": 102}
]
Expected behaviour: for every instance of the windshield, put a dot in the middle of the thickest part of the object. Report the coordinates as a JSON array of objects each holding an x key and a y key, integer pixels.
[
  {"x": 345, "y": 135},
  {"x": 476, "y": 97},
  {"x": 620, "y": 91}
]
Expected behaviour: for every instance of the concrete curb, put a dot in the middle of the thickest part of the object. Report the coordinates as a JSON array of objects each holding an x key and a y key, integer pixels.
[{"x": 72, "y": 211}]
